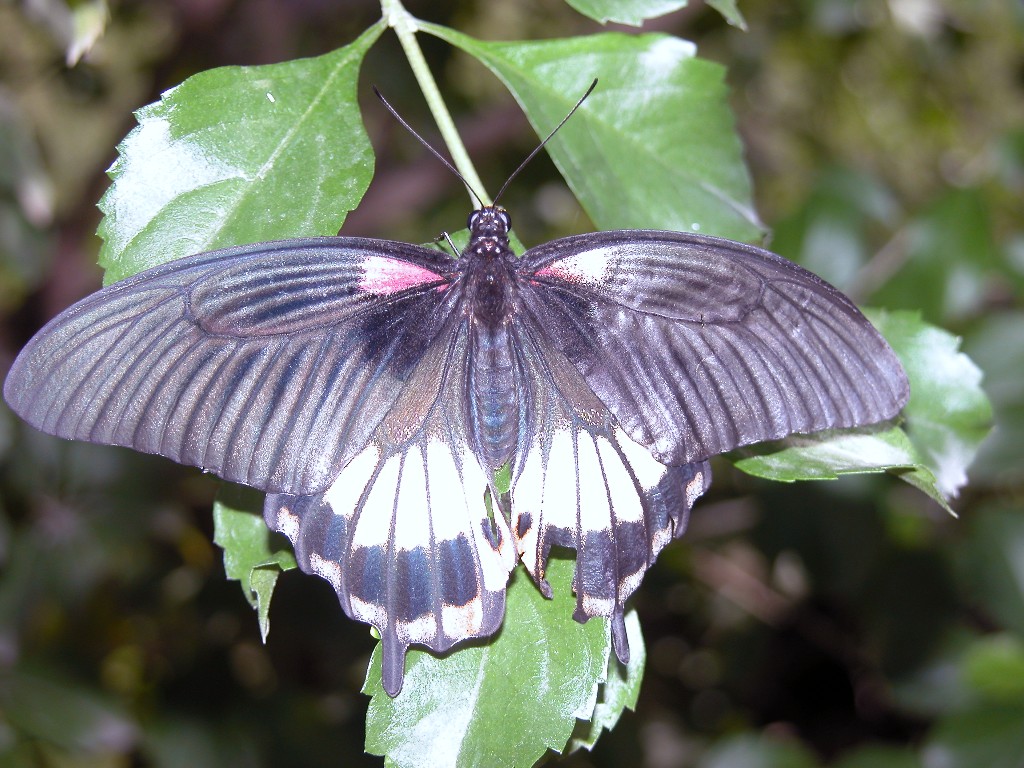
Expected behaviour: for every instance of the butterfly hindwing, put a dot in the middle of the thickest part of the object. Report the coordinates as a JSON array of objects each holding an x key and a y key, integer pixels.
[
  {"x": 404, "y": 534},
  {"x": 580, "y": 482},
  {"x": 268, "y": 364},
  {"x": 698, "y": 345}
]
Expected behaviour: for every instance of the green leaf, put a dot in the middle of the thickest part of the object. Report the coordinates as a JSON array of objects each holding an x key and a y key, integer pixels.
[
  {"x": 636, "y": 12},
  {"x": 654, "y": 146},
  {"x": 832, "y": 454},
  {"x": 829, "y": 455},
  {"x": 253, "y": 554},
  {"x": 730, "y": 12},
  {"x": 239, "y": 155},
  {"x": 948, "y": 415},
  {"x": 498, "y": 703},
  {"x": 633, "y": 12},
  {"x": 620, "y": 691}
]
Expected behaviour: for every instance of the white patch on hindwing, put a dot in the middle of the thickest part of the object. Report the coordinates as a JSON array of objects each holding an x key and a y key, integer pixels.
[
  {"x": 288, "y": 523},
  {"x": 629, "y": 583},
  {"x": 583, "y": 482},
  {"x": 370, "y": 613},
  {"x": 345, "y": 491},
  {"x": 326, "y": 569},
  {"x": 413, "y": 510},
  {"x": 660, "y": 539},
  {"x": 462, "y": 620},
  {"x": 450, "y": 493},
  {"x": 648, "y": 470},
  {"x": 496, "y": 564},
  {"x": 625, "y": 502},
  {"x": 595, "y": 514},
  {"x": 374, "y": 524},
  {"x": 560, "y": 490},
  {"x": 422, "y": 497},
  {"x": 694, "y": 489},
  {"x": 528, "y": 498},
  {"x": 597, "y": 606},
  {"x": 422, "y": 629}
]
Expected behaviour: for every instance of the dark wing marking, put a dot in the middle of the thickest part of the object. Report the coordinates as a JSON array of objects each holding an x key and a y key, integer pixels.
[
  {"x": 268, "y": 364},
  {"x": 698, "y": 345},
  {"x": 579, "y": 481},
  {"x": 403, "y": 534}
]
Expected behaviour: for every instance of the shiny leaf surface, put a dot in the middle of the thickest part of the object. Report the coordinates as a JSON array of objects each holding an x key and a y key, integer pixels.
[
  {"x": 633, "y": 12},
  {"x": 621, "y": 153},
  {"x": 948, "y": 415},
  {"x": 239, "y": 155}
]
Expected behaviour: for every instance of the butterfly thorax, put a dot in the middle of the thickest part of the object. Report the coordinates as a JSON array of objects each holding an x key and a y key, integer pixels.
[{"x": 494, "y": 381}]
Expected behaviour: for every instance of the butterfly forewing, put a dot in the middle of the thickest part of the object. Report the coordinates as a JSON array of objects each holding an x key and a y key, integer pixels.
[
  {"x": 268, "y": 364},
  {"x": 698, "y": 345}
]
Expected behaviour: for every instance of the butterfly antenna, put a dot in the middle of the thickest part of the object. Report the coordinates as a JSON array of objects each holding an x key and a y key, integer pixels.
[
  {"x": 540, "y": 146},
  {"x": 434, "y": 152}
]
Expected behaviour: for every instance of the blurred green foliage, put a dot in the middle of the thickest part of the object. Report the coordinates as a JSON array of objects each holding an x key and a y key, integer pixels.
[{"x": 851, "y": 623}]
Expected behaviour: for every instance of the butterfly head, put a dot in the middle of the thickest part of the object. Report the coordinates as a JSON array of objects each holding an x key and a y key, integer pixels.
[{"x": 489, "y": 221}]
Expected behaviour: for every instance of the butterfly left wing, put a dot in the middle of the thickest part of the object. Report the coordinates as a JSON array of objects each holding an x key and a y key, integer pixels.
[
  {"x": 403, "y": 534},
  {"x": 580, "y": 482}
]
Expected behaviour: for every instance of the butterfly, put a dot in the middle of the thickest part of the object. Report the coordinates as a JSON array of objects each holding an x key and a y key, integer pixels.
[{"x": 372, "y": 389}]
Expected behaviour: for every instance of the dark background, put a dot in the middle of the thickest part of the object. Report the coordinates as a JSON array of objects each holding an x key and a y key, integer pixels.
[{"x": 851, "y": 622}]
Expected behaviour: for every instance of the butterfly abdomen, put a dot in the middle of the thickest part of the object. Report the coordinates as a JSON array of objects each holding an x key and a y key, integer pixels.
[
  {"x": 494, "y": 381},
  {"x": 494, "y": 396}
]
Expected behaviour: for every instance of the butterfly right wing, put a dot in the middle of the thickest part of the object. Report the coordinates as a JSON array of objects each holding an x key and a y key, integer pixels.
[{"x": 268, "y": 364}]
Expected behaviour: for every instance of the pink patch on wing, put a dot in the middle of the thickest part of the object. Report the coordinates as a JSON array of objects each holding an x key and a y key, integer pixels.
[
  {"x": 588, "y": 268},
  {"x": 385, "y": 276}
]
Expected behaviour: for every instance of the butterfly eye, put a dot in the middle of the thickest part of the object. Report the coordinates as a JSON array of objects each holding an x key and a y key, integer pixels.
[
  {"x": 506, "y": 220},
  {"x": 472, "y": 220}
]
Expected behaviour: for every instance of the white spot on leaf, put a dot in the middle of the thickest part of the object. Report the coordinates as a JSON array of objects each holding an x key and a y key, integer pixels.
[{"x": 664, "y": 55}]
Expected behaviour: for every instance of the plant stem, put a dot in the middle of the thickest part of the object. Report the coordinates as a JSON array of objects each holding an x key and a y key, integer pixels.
[{"x": 406, "y": 26}]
